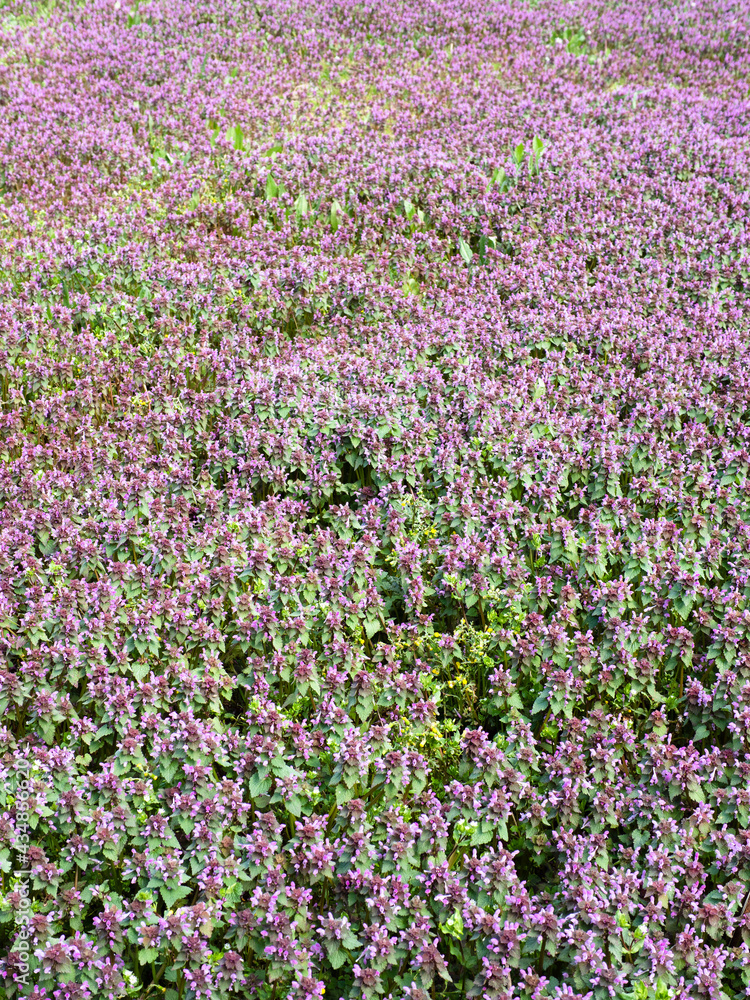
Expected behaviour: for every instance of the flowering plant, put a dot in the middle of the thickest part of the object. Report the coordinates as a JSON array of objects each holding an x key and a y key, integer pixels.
[{"x": 374, "y": 510}]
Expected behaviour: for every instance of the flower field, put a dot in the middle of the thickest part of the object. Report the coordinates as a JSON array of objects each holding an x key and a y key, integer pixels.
[{"x": 374, "y": 503}]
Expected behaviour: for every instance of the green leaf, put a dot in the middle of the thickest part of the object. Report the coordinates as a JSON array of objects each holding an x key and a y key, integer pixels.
[
  {"x": 465, "y": 250},
  {"x": 301, "y": 207},
  {"x": 684, "y": 604},
  {"x": 371, "y": 626},
  {"x": 454, "y": 925},
  {"x": 168, "y": 769},
  {"x": 541, "y": 703},
  {"x": 134, "y": 16},
  {"x": 111, "y": 852},
  {"x": 335, "y": 216},
  {"x": 336, "y": 954},
  {"x": 500, "y": 178},
  {"x": 294, "y": 805},
  {"x": 482, "y": 835},
  {"x": 257, "y": 785},
  {"x": 171, "y": 896},
  {"x": 235, "y": 136},
  {"x": 343, "y": 794},
  {"x": 139, "y": 669},
  {"x": 47, "y": 728}
]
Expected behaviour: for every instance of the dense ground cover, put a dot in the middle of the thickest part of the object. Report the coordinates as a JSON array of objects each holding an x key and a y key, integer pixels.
[{"x": 375, "y": 524}]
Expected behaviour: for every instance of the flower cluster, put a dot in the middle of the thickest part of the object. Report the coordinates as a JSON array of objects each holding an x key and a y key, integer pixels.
[{"x": 374, "y": 503}]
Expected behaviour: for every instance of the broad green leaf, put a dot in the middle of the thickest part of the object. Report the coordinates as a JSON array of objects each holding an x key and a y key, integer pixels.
[
  {"x": 236, "y": 137},
  {"x": 301, "y": 206},
  {"x": 172, "y": 896},
  {"x": 336, "y": 954},
  {"x": 272, "y": 188},
  {"x": 335, "y": 215}
]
